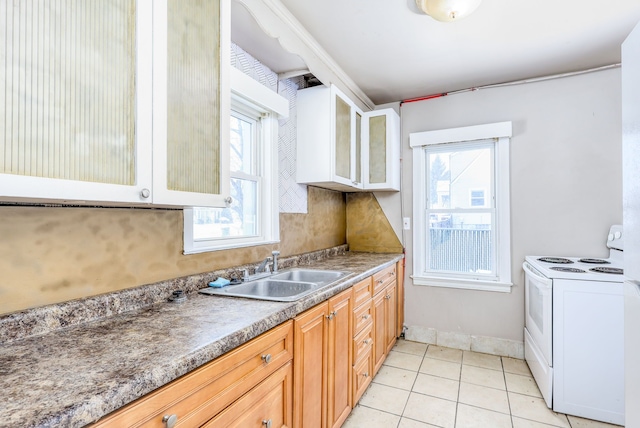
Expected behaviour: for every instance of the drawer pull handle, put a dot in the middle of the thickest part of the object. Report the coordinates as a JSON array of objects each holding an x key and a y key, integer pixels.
[
  {"x": 365, "y": 317},
  {"x": 332, "y": 315},
  {"x": 266, "y": 423},
  {"x": 365, "y": 374},
  {"x": 266, "y": 358},
  {"x": 170, "y": 420},
  {"x": 380, "y": 281},
  {"x": 388, "y": 296},
  {"x": 367, "y": 341},
  {"x": 393, "y": 274}
]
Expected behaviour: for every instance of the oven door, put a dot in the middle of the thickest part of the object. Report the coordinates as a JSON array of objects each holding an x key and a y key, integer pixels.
[{"x": 538, "y": 310}]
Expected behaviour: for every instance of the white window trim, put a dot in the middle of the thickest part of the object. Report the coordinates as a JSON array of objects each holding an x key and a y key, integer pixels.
[
  {"x": 250, "y": 92},
  {"x": 501, "y": 131}
]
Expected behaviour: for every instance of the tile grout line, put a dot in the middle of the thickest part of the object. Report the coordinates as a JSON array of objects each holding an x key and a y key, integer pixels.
[{"x": 412, "y": 385}]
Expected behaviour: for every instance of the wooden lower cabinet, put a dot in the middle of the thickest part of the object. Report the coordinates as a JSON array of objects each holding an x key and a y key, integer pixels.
[
  {"x": 384, "y": 324},
  {"x": 322, "y": 355},
  {"x": 270, "y": 404}
]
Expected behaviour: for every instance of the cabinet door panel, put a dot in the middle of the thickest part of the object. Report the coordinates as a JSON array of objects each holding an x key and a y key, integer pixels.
[
  {"x": 377, "y": 149},
  {"x": 343, "y": 138},
  {"x": 310, "y": 376},
  {"x": 390, "y": 316},
  {"x": 379, "y": 331},
  {"x": 339, "y": 358}
]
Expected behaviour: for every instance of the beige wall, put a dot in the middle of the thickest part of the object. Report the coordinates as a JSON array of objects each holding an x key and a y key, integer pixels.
[
  {"x": 368, "y": 228},
  {"x": 566, "y": 186},
  {"x": 54, "y": 254}
]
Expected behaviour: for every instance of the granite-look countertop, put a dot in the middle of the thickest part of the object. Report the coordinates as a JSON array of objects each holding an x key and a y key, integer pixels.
[{"x": 73, "y": 376}]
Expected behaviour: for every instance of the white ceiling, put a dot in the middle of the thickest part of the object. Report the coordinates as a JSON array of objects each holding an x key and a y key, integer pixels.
[{"x": 394, "y": 53}]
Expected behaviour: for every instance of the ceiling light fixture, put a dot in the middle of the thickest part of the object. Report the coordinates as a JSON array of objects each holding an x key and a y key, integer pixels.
[{"x": 448, "y": 10}]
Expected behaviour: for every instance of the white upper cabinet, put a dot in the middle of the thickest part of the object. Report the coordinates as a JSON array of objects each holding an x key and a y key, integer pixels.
[
  {"x": 93, "y": 112},
  {"x": 328, "y": 141},
  {"x": 381, "y": 150},
  {"x": 341, "y": 148}
]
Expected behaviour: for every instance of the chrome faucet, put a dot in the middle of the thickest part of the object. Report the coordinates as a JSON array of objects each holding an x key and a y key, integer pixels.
[
  {"x": 262, "y": 270},
  {"x": 263, "y": 267}
]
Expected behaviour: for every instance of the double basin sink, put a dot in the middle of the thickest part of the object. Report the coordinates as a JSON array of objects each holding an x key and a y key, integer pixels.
[{"x": 286, "y": 286}]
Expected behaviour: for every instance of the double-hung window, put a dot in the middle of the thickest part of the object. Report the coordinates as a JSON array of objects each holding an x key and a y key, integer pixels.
[
  {"x": 251, "y": 215},
  {"x": 461, "y": 207}
]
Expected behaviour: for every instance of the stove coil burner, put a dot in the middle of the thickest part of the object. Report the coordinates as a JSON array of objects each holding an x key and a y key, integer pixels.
[
  {"x": 595, "y": 261},
  {"x": 557, "y": 260},
  {"x": 567, "y": 269},
  {"x": 615, "y": 271}
]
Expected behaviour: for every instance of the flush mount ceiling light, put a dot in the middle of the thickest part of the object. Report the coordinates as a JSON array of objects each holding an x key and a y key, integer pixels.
[{"x": 448, "y": 10}]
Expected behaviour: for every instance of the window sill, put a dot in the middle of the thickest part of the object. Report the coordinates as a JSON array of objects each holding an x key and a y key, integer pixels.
[
  {"x": 228, "y": 246},
  {"x": 466, "y": 284}
]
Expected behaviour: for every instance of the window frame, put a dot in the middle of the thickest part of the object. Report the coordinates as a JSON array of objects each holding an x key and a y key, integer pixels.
[
  {"x": 249, "y": 95},
  {"x": 500, "y": 133}
]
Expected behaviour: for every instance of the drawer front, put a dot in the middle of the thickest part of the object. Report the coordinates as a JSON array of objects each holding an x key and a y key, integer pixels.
[
  {"x": 201, "y": 394},
  {"x": 363, "y": 343},
  {"x": 362, "y": 375},
  {"x": 268, "y": 404},
  {"x": 362, "y": 292},
  {"x": 362, "y": 317},
  {"x": 383, "y": 278}
]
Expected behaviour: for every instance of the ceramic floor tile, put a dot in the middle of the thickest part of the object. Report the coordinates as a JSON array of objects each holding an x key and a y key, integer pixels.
[
  {"x": 513, "y": 365},
  {"x": 410, "y": 423},
  {"x": 440, "y": 368},
  {"x": 437, "y": 386},
  {"x": 522, "y": 384},
  {"x": 447, "y": 354},
  {"x": 431, "y": 410},
  {"x": 577, "y": 422},
  {"x": 385, "y": 398},
  {"x": 395, "y": 377},
  {"x": 484, "y": 397},
  {"x": 535, "y": 409},
  {"x": 483, "y": 377},
  {"x": 526, "y": 423},
  {"x": 473, "y": 417},
  {"x": 403, "y": 361},
  {"x": 482, "y": 360},
  {"x": 362, "y": 416},
  {"x": 409, "y": 347}
]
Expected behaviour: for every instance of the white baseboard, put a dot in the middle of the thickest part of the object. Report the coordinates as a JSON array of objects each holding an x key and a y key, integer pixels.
[{"x": 466, "y": 342}]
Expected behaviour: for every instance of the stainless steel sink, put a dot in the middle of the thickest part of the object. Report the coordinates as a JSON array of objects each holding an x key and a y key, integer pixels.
[
  {"x": 286, "y": 286},
  {"x": 310, "y": 275}
]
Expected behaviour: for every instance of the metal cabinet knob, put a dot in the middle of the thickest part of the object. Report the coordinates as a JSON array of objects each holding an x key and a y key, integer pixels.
[
  {"x": 266, "y": 423},
  {"x": 365, "y": 317},
  {"x": 228, "y": 200},
  {"x": 365, "y": 374},
  {"x": 170, "y": 420},
  {"x": 266, "y": 358},
  {"x": 145, "y": 193},
  {"x": 380, "y": 281},
  {"x": 367, "y": 341},
  {"x": 332, "y": 315}
]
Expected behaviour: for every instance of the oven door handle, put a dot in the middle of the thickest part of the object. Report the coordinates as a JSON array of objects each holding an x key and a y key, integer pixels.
[{"x": 538, "y": 276}]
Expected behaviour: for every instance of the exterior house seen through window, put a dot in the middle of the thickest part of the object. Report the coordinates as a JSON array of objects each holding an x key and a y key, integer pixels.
[{"x": 461, "y": 235}]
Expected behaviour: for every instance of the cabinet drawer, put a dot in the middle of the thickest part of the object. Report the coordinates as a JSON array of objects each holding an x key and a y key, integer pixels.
[
  {"x": 204, "y": 392},
  {"x": 362, "y": 292},
  {"x": 362, "y": 316},
  {"x": 363, "y": 343},
  {"x": 383, "y": 278},
  {"x": 362, "y": 375},
  {"x": 268, "y": 404}
]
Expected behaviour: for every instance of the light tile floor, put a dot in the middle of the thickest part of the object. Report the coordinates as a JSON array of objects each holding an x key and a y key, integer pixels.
[{"x": 422, "y": 386}]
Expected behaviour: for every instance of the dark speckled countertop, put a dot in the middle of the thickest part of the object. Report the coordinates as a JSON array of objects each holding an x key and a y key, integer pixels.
[{"x": 72, "y": 376}]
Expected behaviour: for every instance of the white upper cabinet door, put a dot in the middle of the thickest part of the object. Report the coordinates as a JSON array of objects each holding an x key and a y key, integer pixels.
[
  {"x": 191, "y": 104},
  {"x": 381, "y": 150},
  {"x": 328, "y": 139},
  {"x": 88, "y": 89}
]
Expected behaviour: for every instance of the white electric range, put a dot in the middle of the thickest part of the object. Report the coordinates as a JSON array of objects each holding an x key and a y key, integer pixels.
[{"x": 574, "y": 331}]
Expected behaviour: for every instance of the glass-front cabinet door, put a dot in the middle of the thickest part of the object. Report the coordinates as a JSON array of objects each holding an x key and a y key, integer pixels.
[
  {"x": 381, "y": 153},
  {"x": 347, "y": 122},
  {"x": 79, "y": 102}
]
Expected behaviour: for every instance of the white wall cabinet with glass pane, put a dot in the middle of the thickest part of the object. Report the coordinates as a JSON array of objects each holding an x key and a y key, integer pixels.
[
  {"x": 381, "y": 150},
  {"x": 328, "y": 139},
  {"x": 342, "y": 148},
  {"x": 114, "y": 102}
]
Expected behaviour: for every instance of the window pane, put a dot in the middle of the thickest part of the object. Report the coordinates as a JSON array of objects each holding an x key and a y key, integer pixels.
[
  {"x": 237, "y": 220},
  {"x": 453, "y": 173},
  {"x": 461, "y": 243},
  {"x": 67, "y": 96},
  {"x": 242, "y": 138}
]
